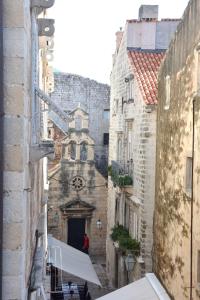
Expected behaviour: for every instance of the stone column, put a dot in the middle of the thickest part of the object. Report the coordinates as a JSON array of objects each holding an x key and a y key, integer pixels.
[
  {"x": 78, "y": 151},
  {"x": 91, "y": 152}
]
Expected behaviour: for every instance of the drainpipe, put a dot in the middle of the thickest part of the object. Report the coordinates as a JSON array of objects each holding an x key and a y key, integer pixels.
[{"x": 1, "y": 143}]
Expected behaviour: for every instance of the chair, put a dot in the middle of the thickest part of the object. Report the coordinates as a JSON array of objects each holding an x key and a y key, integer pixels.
[{"x": 88, "y": 297}]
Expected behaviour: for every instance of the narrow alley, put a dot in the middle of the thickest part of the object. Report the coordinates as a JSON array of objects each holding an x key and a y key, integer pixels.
[{"x": 99, "y": 129}]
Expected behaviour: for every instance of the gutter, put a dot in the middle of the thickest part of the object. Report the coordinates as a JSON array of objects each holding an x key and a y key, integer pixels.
[{"x": 1, "y": 141}]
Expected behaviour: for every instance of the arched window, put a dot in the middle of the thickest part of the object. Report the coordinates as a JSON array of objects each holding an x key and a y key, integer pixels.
[
  {"x": 78, "y": 123},
  {"x": 72, "y": 150},
  {"x": 84, "y": 151}
]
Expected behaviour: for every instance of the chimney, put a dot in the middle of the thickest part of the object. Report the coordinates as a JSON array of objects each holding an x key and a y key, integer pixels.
[
  {"x": 148, "y": 12},
  {"x": 119, "y": 35}
]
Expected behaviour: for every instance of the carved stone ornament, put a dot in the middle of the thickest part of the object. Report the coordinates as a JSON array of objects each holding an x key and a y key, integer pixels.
[
  {"x": 77, "y": 207},
  {"x": 77, "y": 183},
  {"x": 46, "y": 27}
]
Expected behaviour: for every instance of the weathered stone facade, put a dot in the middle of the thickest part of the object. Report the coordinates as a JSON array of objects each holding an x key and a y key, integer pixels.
[
  {"x": 24, "y": 199},
  {"x": 176, "y": 220},
  {"x": 133, "y": 137},
  {"x": 77, "y": 190},
  {"x": 72, "y": 90}
]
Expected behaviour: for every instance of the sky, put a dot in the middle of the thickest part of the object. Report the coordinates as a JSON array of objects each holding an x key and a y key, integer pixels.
[{"x": 85, "y": 32}]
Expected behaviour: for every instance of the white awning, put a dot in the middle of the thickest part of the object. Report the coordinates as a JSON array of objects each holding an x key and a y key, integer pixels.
[
  {"x": 147, "y": 288},
  {"x": 71, "y": 260}
]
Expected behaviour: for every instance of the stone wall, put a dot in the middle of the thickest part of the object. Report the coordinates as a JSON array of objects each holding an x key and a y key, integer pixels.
[
  {"x": 143, "y": 166},
  {"x": 72, "y": 90},
  {"x": 23, "y": 179},
  {"x": 172, "y": 221},
  {"x": 78, "y": 190},
  {"x": 94, "y": 193},
  {"x": 133, "y": 126},
  {"x": 16, "y": 249}
]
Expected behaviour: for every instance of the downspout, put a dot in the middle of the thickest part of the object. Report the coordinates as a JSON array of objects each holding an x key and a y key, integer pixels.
[
  {"x": 192, "y": 200},
  {"x": 34, "y": 83},
  {"x": 1, "y": 140}
]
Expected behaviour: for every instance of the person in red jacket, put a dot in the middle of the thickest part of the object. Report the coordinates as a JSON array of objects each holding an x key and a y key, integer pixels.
[{"x": 86, "y": 243}]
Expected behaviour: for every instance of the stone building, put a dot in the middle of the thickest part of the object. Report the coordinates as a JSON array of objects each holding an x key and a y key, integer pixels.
[
  {"x": 77, "y": 191},
  {"x": 140, "y": 49},
  {"x": 71, "y": 90},
  {"x": 176, "y": 220},
  {"x": 24, "y": 60}
]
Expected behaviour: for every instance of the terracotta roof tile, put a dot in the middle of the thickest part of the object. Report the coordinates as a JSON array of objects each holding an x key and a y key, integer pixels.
[{"x": 145, "y": 66}]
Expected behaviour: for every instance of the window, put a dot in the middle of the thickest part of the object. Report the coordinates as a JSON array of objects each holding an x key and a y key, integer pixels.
[
  {"x": 117, "y": 204},
  {"x": 77, "y": 183},
  {"x": 106, "y": 114},
  {"x": 122, "y": 105},
  {"x": 106, "y": 138},
  {"x": 72, "y": 150},
  {"x": 115, "y": 106},
  {"x": 129, "y": 127},
  {"x": 126, "y": 216},
  {"x": 78, "y": 122},
  {"x": 188, "y": 181},
  {"x": 83, "y": 151},
  {"x": 135, "y": 226},
  {"x": 167, "y": 92},
  {"x": 131, "y": 87},
  {"x": 49, "y": 133},
  {"x": 119, "y": 150}
]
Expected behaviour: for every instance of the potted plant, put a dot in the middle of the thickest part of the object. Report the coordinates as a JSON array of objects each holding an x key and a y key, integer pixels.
[
  {"x": 123, "y": 241},
  {"x": 117, "y": 231},
  {"x": 129, "y": 245}
]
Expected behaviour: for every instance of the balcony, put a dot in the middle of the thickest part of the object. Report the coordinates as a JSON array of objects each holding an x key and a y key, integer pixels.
[{"x": 121, "y": 175}]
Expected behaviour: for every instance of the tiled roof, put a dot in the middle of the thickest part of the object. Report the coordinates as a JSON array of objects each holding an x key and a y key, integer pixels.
[{"x": 145, "y": 66}]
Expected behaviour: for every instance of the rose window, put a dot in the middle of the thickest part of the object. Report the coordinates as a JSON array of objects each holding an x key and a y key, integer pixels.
[{"x": 77, "y": 183}]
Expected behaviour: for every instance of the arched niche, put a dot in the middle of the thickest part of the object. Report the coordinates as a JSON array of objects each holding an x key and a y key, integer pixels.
[
  {"x": 72, "y": 148},
  {"x": 83, "y": 151}
]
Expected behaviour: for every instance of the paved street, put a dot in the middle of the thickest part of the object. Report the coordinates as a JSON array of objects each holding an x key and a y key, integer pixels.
[
  {"x": 95, "y": 291},
  {"x": 100, "y": 268}
]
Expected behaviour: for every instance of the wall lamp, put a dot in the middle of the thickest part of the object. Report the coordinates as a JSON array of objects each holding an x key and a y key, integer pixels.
[
  {"x": 99, "y": 224},
  {"x": 129, "y": 78},
  {"x": 130, "y": 262}
]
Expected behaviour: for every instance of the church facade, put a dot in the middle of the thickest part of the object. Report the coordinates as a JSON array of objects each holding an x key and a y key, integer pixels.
[{"x": 77, "y": 191}]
